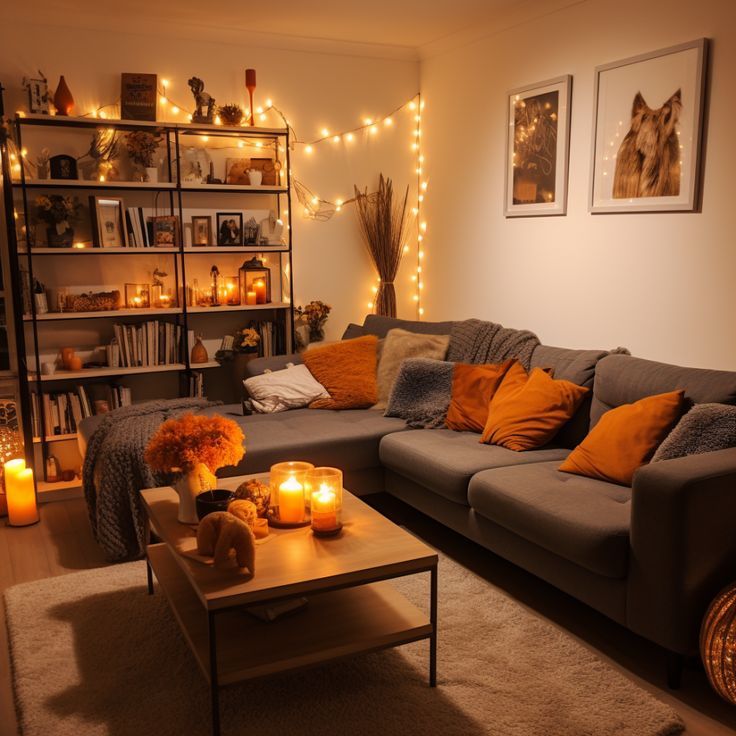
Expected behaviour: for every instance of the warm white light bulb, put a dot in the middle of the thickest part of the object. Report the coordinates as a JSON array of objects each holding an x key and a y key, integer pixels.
[
  {"x": 325, "y": 132},
  {"x": 412, "y": 105},
  {"x": 269, "y": 103},
  {"x": 388, "y": 121},
  {"x": 162, "y": 100},
  {"x": 349, "y": 137},
  {"x": 335, "y": 138},
  {"x": 367, "y": 121},
  {"x": 175, "y": 110},
  {"x": 308, "y": 149},
  {"x": 205, "y": 138}
]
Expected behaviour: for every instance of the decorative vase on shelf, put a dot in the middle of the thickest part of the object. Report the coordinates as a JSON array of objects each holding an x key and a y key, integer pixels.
[
  {"x": 63, "y": 100},
  {"x": 188, "y": 486},
  {"x": 56, "y": 239},
  {"x": 152, "y": 174},
  {"x": 199, "y": 352}
]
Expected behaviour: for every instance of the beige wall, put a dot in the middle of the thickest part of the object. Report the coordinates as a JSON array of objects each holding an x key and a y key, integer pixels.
[
  {"x": 661, "y": 284},
  {"x": 314, "y": 89}
]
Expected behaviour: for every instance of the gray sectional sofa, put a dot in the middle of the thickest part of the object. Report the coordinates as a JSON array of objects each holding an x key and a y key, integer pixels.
[{"x": 650, "y": 557}]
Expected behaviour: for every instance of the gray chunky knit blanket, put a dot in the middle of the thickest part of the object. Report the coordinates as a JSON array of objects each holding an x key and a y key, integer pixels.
[
  {"x": 477, "y": 341},
  {"x": 115, "y": 472}
]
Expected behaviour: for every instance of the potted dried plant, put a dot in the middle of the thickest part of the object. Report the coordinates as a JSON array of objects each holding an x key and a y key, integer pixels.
[
  {"x": 230, "y": 114},
  {"x": 142, "y": 146},
  {"x": 59, "y": 212},
  {"x": 194, "y": 447},
  {"x": 314, "y": 315}
]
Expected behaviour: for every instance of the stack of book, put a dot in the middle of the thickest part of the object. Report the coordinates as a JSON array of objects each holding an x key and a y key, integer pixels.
[
  {"x": 196, "y": 385},
  {"x": 149, "y": 343},
  {"x": 273, "y": 339}
]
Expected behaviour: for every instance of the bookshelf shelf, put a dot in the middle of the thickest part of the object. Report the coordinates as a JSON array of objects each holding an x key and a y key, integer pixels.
[
  {"x": 208, "y": 364},
  {"x": 103, "y": 372},
  {"x": 109, "y": 314},
  {"x": 84, "y": 184},
  {"x": 212, "y": 249},
  {"x": 239, "y": 308},
  {"x": 57, "y": 438},
  {"x": 93, "y": 251},
  {"x": 234, "y": 188}
]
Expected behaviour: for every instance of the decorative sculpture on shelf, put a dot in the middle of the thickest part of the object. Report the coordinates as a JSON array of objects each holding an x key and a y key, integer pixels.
[{"x": 202, "y": 100}]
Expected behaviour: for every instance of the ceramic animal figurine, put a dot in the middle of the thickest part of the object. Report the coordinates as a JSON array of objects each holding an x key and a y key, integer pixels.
[{"x": 202, "y": 100}]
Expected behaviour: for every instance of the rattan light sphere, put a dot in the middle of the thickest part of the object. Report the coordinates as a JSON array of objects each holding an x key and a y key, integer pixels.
[{"x": 718, "y": 643}]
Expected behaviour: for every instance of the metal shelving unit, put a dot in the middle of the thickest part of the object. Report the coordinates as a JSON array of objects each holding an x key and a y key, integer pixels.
[{"x": 174, "y": 191}]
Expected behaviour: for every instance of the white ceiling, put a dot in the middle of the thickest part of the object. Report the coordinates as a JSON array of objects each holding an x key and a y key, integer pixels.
[{"x": 408, "y": 24}]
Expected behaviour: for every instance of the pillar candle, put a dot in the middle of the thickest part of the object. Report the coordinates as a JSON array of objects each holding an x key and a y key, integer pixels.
[
  {"x": 291, "y": 501},
  {"x": 20, "y": 494},
  {"x": 250, "y": 297},
  {"x": 324, "y": 509},
  {"x": 259, "y": 286}
]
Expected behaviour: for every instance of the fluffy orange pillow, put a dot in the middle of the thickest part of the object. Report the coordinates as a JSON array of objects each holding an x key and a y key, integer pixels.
[
  {"x": 473, "y": 387},
  {"x": 523, "y": 416},
  {"x": 347, "y": 369},
  {"x": 625, "y": 438}
]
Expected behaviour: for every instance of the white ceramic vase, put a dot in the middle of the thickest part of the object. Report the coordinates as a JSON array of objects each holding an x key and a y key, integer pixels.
[
  {"x": 255, "y": 177},
  {"x": 188, "y": 487},
  {"x": 152, "y": 174}
]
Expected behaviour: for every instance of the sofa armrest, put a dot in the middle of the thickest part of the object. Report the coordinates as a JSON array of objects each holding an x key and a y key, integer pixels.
[
  {"x": 274, "y": 363},
  {"x": 683, "y": 545}
]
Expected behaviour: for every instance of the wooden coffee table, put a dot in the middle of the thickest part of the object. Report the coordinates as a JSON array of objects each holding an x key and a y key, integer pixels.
[{"x": 351, "y": 609}]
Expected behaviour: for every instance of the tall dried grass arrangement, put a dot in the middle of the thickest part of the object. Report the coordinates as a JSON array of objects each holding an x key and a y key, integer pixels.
[{"x": 382, "y": 224}]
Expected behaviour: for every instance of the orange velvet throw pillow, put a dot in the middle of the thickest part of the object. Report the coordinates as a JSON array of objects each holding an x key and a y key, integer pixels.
[
  {"x": 625, "y": 438},
  {"x": 473, "y": 387},
  {"x": 347, "y": 369},
  {"x": 528, "y": 414}
]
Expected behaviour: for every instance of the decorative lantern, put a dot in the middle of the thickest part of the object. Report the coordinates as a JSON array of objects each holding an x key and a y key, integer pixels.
[
  {"x": 255, "y": 278},
  {"x": 325, "y": 500},
  {"x": 718, "y": 643},
  {"x": 232, "y": 291},
  {"x": 289, "y": 491},
  {"x": 137, "y": 296}
]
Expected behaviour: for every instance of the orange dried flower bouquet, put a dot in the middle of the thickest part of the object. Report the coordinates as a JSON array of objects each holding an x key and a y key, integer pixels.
[{"x": 181, "y": 444}]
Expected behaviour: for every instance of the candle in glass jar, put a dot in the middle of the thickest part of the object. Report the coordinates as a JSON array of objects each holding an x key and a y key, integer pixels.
[
  {"x": 291, "y": 501},
  {"x": 324, "y": 509},
  {"x": 259, "y": 286},
  {"x": 232, "y": 291},
  {"x": 20, "y": 494},
  {"x": 250, "y": 297}
]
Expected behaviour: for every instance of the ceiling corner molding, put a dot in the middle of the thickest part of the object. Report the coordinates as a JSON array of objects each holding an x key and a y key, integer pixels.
[{"x": 514, "y": 15}]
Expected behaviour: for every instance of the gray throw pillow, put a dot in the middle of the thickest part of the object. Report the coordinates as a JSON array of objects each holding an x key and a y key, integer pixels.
[
  {"x": 421, "y": 392},
  {"x": 705, "y": 428}
]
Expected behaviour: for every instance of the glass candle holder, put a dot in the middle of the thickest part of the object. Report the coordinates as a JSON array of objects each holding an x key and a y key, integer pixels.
[
  {"x": 232, "y": 291},
  {"x": 137, "y": 296},
  {"x": 289, "y": 492},
  {"x": 326, "y": 500}
]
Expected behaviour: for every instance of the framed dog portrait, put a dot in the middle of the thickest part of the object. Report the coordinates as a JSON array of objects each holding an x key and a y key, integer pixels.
[
  {"x": 537, "y": 145},
  {"x": 229, "y": 229},
  {"x": 647, "y": 131}
]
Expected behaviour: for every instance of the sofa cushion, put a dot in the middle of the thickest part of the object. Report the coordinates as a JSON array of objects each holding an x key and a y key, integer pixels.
[
  {"x": 621, "y": 379},
  {"x": 376, "y": 324},
  {"x": 348, "y": 438},
  {"x": 444, "y": 461},
  {"x": 577, "y": 366},
  {"x": 586, "y": 521}
]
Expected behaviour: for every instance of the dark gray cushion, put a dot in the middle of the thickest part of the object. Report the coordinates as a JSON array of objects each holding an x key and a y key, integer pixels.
[
  {"x": 621, "y": 379},
  {"x": 444, "y": 461},
  {"x": 705, "y": 428},
  {"x": 375, "y": 324},
  {"x": 275, "y": 363},
  {"x": 352, "y": 331},
  {"x": 581, "y": 519},
  {"x": 347, "y": 439},
  {"x": 577, "y": 366}
]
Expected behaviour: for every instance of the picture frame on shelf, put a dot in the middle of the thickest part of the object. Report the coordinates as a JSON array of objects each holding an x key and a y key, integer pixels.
[
  {"x": 229, "y": 229},
  {"x": 647, "y": 131},
  {"x": 236, "y": 171},
  {"x": 165, "y": 230},
  {"x": 108, "y": 222},
  {"x": 63, "y": 167},
  {"x": 138, "y": 96},
  {"x": 269, "y": 169},
  {"x": 38, "y": 95},
  {"x": 537, "y": 148},
  {"x": 201, "y": 230}
]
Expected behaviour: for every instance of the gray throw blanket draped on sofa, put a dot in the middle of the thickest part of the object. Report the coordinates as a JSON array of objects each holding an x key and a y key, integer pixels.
[
  {"x": 477, "y": 341},
  {"x": 115, "y": 472}
]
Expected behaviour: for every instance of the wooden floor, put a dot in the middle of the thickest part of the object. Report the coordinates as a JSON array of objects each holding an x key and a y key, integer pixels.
[{"x": 63, "y": 543}]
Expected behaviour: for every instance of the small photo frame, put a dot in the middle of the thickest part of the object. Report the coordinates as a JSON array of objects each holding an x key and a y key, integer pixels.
[
  {"x": 201, "y": 230},
  {"x": 229, "y": 229},
  {"x": 537, "y": 144},
  {"x": 165, "y": 231},
  {"x": 109, "y": 222},
  {"x": 647, "y": 131}
]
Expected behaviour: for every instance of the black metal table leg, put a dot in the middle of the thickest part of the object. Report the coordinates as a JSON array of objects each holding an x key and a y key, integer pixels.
[
  {"x": 433, "y": 621},
  {"x": 149, "y": 575},
  {"x": 214, "y": 689}
]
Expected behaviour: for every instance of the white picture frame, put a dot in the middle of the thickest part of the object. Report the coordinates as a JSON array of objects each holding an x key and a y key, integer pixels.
[
  {"x": 537, "y": 148},
  {"x": 657, "y": 98}
]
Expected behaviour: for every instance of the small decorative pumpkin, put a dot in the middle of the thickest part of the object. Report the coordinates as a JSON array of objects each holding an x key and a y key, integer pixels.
[
  {"x": 256, "y": 492},
  {"x": 244, "y": 510},
  {"x": 718, "y": 643}
]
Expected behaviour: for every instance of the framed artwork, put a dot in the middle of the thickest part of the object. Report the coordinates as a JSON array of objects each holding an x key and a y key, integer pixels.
[
  {"x": 138, "y": 96},
  {"x": 236, "y": 170},
  {"x": 537, "y": 145},
  {"x": 201, "y": 230},
  {"x": 109, "y": 222},
  {"x": 230, "y": 228},
  {"x": 165, "y": 231},
  {"x": 647, "y": 131}
]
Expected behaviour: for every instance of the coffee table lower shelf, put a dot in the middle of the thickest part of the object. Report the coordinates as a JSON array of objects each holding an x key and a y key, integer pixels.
[{"x": 334, "y": 625}]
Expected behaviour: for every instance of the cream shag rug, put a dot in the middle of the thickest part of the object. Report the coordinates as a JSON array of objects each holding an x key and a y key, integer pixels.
[{"x": 93, "y": 654}]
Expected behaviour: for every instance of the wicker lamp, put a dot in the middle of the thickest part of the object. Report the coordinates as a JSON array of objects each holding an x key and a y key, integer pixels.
[{"x": 718, "y": 643}]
